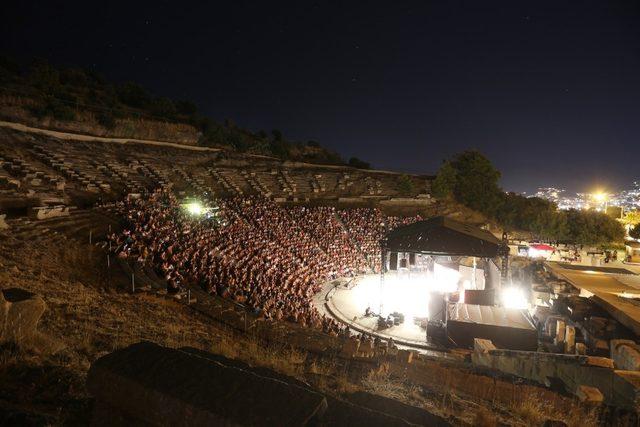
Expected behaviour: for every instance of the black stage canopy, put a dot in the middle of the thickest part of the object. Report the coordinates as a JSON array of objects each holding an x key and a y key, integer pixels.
[{"x": 443, "y": 236}]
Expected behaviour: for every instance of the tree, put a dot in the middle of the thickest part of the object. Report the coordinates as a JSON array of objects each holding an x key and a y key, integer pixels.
[
  {"x": 445, "y": 182},
  {"x": 476, "y": 182},
  {"x": 405, "y": 185},
  {"x": 162, "y": 107},
  {"x": 186, "y": 108},
  {"x": 635, "y": 232},
  {"x": 277, "y": 135},
  {"x": 592, "y": 228},
  {"x": 280, "y": 148},
  {"x": 631, "y": 218},
  {"x": 133, "y": 95},
  {"x": 44, "y": 77},
  {"x": 357, "y": 163}
]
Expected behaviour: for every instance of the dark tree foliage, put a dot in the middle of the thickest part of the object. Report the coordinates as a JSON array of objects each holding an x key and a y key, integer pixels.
[
  {"x": 277, "y": 135},
  {"x": 444, "y": 184},
  {"x": 280, "y": 148},
  {"x": 186, "y": 108},
  {"x": 405, "y": 185},
  {"x": 473, "y": 181},
  {"x": 360, "y": 164},
  {"x": 635, "y": 232},
  {"x": 133, "y": 95},
  {"x": 476, "y": 183}
]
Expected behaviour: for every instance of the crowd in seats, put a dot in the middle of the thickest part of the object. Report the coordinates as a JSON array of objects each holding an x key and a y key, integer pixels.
[
  {"x": 271, "y": 258},
  {"x": 367, "y": 227}
]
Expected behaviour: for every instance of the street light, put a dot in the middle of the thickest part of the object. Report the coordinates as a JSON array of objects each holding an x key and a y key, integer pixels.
[{"x": 601, "y": 197}]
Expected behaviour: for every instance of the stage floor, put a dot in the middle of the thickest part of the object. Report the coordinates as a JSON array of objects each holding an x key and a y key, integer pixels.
[{"x": 348, "y": 301}]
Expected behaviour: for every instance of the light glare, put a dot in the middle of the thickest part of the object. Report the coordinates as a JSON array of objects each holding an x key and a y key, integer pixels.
[
  {"x": 513, "y": 297},
  {"x": 195, "y": 208}
]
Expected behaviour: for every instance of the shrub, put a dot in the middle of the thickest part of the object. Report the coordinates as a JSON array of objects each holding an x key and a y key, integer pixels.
[
  {"x": 405, "y": 185},
  {"x": 357, "y": 163},
  {"x": 106, "y": 119}
]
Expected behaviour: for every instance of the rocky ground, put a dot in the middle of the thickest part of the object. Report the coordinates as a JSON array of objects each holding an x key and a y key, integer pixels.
[{"x": 90, "y": 314}]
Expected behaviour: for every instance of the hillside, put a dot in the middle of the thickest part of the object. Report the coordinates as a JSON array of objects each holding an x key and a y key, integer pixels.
[{"x": 81, "y": 101}]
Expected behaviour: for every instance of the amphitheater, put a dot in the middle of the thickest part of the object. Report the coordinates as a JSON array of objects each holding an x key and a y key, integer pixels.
[{"x": 92, "y": 225}]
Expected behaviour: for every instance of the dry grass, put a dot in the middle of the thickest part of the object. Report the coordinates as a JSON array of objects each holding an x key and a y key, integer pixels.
[
  {"x": 531, "y": 411},
  {"x": 484, "y": 418}
]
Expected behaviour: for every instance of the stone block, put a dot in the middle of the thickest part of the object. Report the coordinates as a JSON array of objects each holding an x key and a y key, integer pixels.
[
  {"x": 590, "y": 395},
  {"x": 482, "y": 345},
  {"x": 625, "y": 354},
  {"x": 560, "y": 331},
  {"x": 600, "y": 362},
  {"x": 601, "y": 347},
  {"x": 570, "y": 340},
  {"x": 404, "y": 356},
  {"x": 45, "y": 212}
]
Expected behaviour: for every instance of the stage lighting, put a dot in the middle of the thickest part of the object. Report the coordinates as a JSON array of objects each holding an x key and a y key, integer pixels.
[
  {"x": 195, "y": 208},
  {"x": 513, "y": 297}
]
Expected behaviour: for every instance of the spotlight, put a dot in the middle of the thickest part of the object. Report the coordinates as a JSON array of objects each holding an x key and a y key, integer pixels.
[
  {"x": 195, "y": 208},
  {"x": 514, "y": 298}
]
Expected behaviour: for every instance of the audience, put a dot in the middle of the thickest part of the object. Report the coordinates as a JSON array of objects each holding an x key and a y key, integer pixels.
[{"x": 271, "y": 258}]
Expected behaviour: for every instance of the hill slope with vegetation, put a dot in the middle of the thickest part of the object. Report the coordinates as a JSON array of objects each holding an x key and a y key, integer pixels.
[{"x": 80, "y": 100}]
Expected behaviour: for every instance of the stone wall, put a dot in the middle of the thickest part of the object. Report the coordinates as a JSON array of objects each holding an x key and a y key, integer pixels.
[{"x": 619, "y": 388}]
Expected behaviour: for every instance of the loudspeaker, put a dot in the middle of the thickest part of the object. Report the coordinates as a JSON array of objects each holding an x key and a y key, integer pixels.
[
  {"x": 403, "y": 263},
  {"x": 393, "y": 261}
]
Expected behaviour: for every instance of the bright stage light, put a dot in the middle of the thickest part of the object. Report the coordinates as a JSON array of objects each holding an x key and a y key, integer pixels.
[
  {"x": 514, "y": 298},
  {"x": 445, "y": 280},
  {"x": 195, "y": 208},
  {"x": 406, "y": 293}
]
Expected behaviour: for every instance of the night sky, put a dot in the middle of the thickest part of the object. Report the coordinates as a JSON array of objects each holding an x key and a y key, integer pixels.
[{"x": 549, "y": 91}]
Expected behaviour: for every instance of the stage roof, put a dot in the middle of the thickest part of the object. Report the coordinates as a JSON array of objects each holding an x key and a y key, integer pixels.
[{"x": 443, "y": 236}]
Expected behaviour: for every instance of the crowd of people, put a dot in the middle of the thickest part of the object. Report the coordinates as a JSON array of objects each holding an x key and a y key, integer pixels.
[{"x": 271, "y": 258}]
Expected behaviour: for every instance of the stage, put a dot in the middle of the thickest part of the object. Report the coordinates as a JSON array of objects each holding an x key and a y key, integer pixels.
[{"x": 347, "y": 301}]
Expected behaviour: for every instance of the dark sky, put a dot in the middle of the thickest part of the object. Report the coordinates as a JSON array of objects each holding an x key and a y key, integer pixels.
[{"x": 549, "y": 91}]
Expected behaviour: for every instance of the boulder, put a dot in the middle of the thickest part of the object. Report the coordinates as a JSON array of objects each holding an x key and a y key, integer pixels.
[
  {"x": 395, "y": 408},
  {"x": 3, "y": 222},
  {"x": 149, "y": 384},
  {"x": 20, "y": 312},
  {"x": 625, "y": 354}
]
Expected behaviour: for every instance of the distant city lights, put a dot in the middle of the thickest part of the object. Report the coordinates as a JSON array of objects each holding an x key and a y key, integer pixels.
[{"x": 598, "y": 200}]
